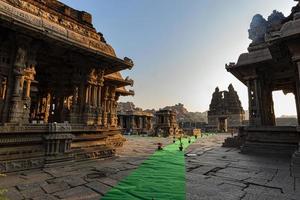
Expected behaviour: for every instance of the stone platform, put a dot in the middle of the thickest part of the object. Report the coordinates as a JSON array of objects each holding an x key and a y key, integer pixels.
[
  {"x": 218, "y": 173},
  {"x": 83, "y": 180}
]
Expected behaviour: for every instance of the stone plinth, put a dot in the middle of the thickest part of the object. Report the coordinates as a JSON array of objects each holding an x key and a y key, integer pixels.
[
  {"x": 296, "y": 163},
  {"x": 274, "y": 140}
]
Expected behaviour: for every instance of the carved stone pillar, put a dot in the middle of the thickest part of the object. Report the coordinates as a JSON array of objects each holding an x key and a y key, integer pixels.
[
  {"x": 297, "y": 89},
  {"x": 141, "y": 122},
  {"x": 100, "y": 81},
  {"x": 296, "y": 163},
  {"x": 167, "y": 120},
  {"x": 104, "y": 118},
  {"x": 90, "y": 94},
  {"x": 254, "y": 95},
  {"x": 112, "y": 109},
  {"x": 294, "y": 48},
  {"x": 16, "y": 109},
  {"x": 132, "y": 122},
  {"x": 150, "y": 123},
  {"x": 120, "y": 124},
  {"x": 29, "y": 74},
  {"x": 75, "y": 113}
]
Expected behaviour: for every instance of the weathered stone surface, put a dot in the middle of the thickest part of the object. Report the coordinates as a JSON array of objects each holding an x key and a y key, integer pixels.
[
  {"x": 70, "y": 180},
  {"x": 55, "y": 187},
  {"x": 13, "y": 194},
  {"x": 45, "y": 197},
  {"x": 213, "y": 173},
  {"x": 57, "y": 180},
  {"x": 29, "y": 186},
  {"x": 98, "y": 187},
  {"x": 32, "y": 192},
  {"x": 80, "y": 192},
  {"x": 228, "y": 174},
  {"x": 108, "y": 181}
]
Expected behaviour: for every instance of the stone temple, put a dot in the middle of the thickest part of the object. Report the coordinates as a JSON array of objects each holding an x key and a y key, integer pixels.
[
  {"x": 134, "y": 120},
  {"x": 166, "y": 123},
  {"x": 272, "y": 63},
  {"x": 225, "y": 111},
  {"x": 59, "y": 86}
]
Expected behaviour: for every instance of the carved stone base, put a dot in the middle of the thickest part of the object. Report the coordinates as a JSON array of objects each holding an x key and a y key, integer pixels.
[
  {"x": 21, "y": 164},
  {"x": 54, "y": 144},
  {"x": 97, "y": 152},
  {"x": 58, "y": 160},
  {"x": 269, "y": 148},
  {"x": 235, "y": 142},
  {"x": 270, "y": 140},
  {"x": 115, "y": 141},
  {"x": 296, "y": 164}
]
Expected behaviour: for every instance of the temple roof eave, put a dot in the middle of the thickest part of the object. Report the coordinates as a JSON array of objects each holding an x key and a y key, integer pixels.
[
  {"x": 254, "y": 57},
  {"x": 118, "y": 81},
  {"x": 249, "y": 61},
  {"x": 288, "y": 30},
  {"x": 42, "y": 29},
  {"x": 135, "y": 113},
  {"x": 124, "y": 92}
]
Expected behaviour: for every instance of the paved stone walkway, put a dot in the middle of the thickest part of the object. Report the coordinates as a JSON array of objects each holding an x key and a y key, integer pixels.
[
  {"x": 212, "y": 173},
  {"x": 81, "y": 180},
  {"x": 217, "y": 173}
]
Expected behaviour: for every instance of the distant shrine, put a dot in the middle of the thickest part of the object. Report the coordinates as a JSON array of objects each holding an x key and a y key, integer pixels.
[
  {"x": 225, "y": 111},
  {"x": 166, "y": 123},
  {"x": 133, "y": 120}
]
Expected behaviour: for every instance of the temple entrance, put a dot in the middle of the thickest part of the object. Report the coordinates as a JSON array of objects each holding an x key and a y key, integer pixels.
[
  {"x": 285, "y": 109},
  {"x": 222, "y": 124}
]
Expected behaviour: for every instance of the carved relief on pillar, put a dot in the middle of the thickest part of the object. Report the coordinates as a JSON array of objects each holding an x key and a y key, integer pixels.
[
  {"x": 254, "y": 104},
  {"x": 23, "y": 75},
  {"x": 89, "y": 109},
  {"x": 100, "y": 81},
  {"x": 112, "y": 107},
  {"x": 3, "y": 87},
  {"x": 104, "y": 118},
  {"x": 16, "y": 107}
]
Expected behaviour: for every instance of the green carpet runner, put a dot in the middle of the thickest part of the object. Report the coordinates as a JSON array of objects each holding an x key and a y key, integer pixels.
[{"x": 160, "y": 177}]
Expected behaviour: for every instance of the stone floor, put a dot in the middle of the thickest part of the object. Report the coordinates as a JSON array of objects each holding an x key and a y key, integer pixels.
[
  {"x": 217, "y": 173},
  {"x": 213, "y": 173},
  {"x": 81, "y": 180}
]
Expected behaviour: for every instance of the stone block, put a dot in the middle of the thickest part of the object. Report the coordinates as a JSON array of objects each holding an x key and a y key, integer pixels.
[
  {"x": 13, "y": 194},
  {"x": 55, "y": 187},
  {"x": 78, "y": 193},
  {"x": 73, "y": 181},
  {"x": 33, "y": 192},
  {"x": 108, "y": 181},
  {"x": 98, "y": 187}
]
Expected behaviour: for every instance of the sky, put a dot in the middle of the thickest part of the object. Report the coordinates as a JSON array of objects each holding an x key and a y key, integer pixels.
[{"x": 180, "y": 47}]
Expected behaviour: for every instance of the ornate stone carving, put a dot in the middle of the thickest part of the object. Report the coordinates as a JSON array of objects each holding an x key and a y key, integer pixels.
[
  {"x": 60, "y": 127},
  {"x": 20, "y": 57},
  {"x": 275, "y": 21},
  {"x": 258, "y": 29}
]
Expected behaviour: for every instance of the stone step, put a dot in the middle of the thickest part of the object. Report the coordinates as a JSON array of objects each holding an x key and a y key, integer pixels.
[{"x": 269, "y": 148}]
